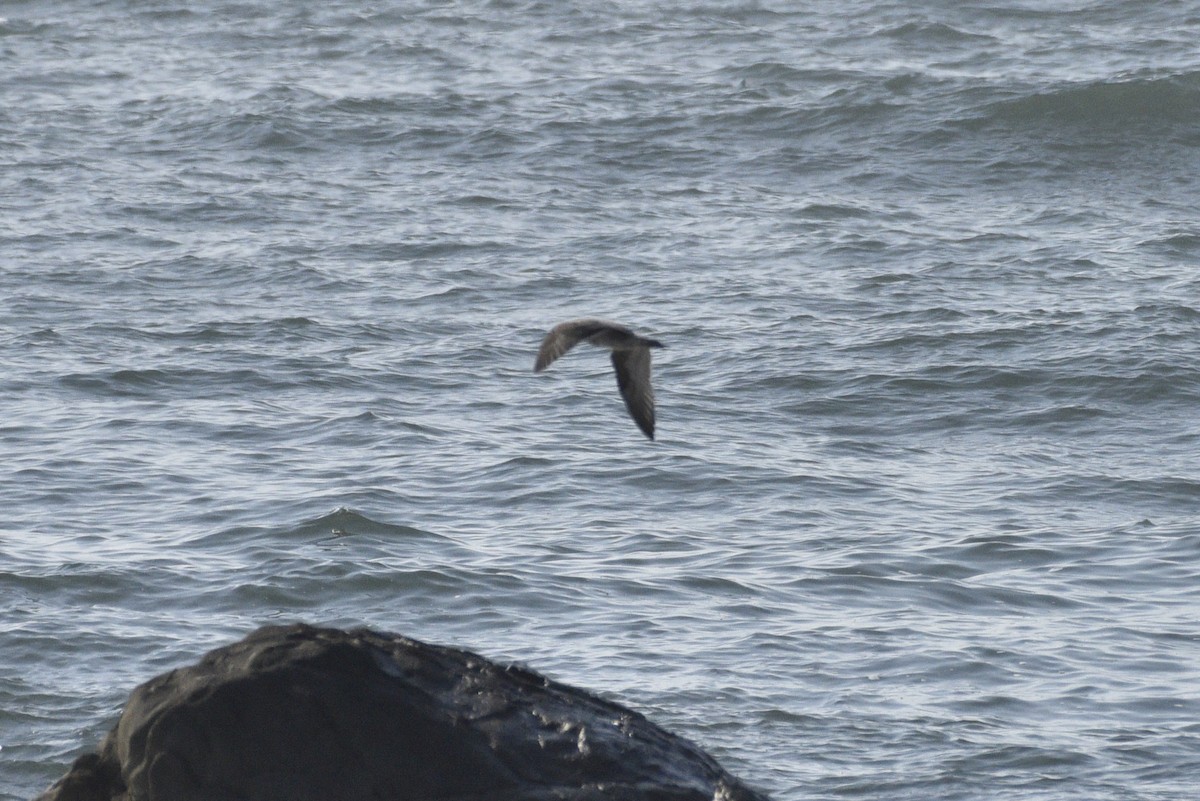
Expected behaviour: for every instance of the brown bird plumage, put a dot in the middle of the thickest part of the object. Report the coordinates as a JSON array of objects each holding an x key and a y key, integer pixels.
[{"x": 630, "y": 358}]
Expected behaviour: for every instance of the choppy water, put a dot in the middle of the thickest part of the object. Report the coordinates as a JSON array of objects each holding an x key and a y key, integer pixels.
[{"x": 921, "y": 521}]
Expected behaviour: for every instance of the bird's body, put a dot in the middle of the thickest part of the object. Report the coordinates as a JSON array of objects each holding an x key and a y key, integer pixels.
[{"x": 630, "y": 358}]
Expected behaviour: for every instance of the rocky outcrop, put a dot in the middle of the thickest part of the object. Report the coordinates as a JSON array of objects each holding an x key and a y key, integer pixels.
[{"x": 296, "y": 713}]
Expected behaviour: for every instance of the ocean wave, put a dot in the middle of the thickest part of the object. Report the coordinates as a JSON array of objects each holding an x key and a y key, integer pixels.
[
  {"x": 1148, "y": 102},
  {"x": 156, "y": 383},
  {"x": 934, "y": 33},
  {"x": 344, "y": 522}
]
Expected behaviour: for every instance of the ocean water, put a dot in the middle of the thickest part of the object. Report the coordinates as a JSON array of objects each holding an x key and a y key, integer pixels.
[{"x": 922, "y": 520}]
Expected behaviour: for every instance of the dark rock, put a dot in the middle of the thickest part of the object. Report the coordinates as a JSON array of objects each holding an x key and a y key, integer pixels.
[{"x": 296, "y": 713}]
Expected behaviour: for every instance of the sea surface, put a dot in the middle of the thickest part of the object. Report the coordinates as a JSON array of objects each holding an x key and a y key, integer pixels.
[{"x": 922, "y": 520}]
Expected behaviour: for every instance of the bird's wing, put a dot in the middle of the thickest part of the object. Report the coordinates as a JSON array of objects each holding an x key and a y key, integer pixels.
[
  {"x": 633, "y": 379},
  {"x": 561, "y": 339}
]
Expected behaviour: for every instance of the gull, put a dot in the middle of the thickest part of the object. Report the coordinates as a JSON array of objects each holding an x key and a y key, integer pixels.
[{"x": 630, "y": 358}]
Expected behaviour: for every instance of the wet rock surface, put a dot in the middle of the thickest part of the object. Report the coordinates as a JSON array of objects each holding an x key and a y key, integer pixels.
[{"x": 294, "y": 713}]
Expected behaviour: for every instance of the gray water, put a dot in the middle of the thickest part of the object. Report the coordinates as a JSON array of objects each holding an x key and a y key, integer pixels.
[{"x": 921, "y": 521}]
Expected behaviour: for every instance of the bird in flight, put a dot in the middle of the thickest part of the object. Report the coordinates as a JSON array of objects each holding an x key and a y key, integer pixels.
[{"x": 630, "y": 358}]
